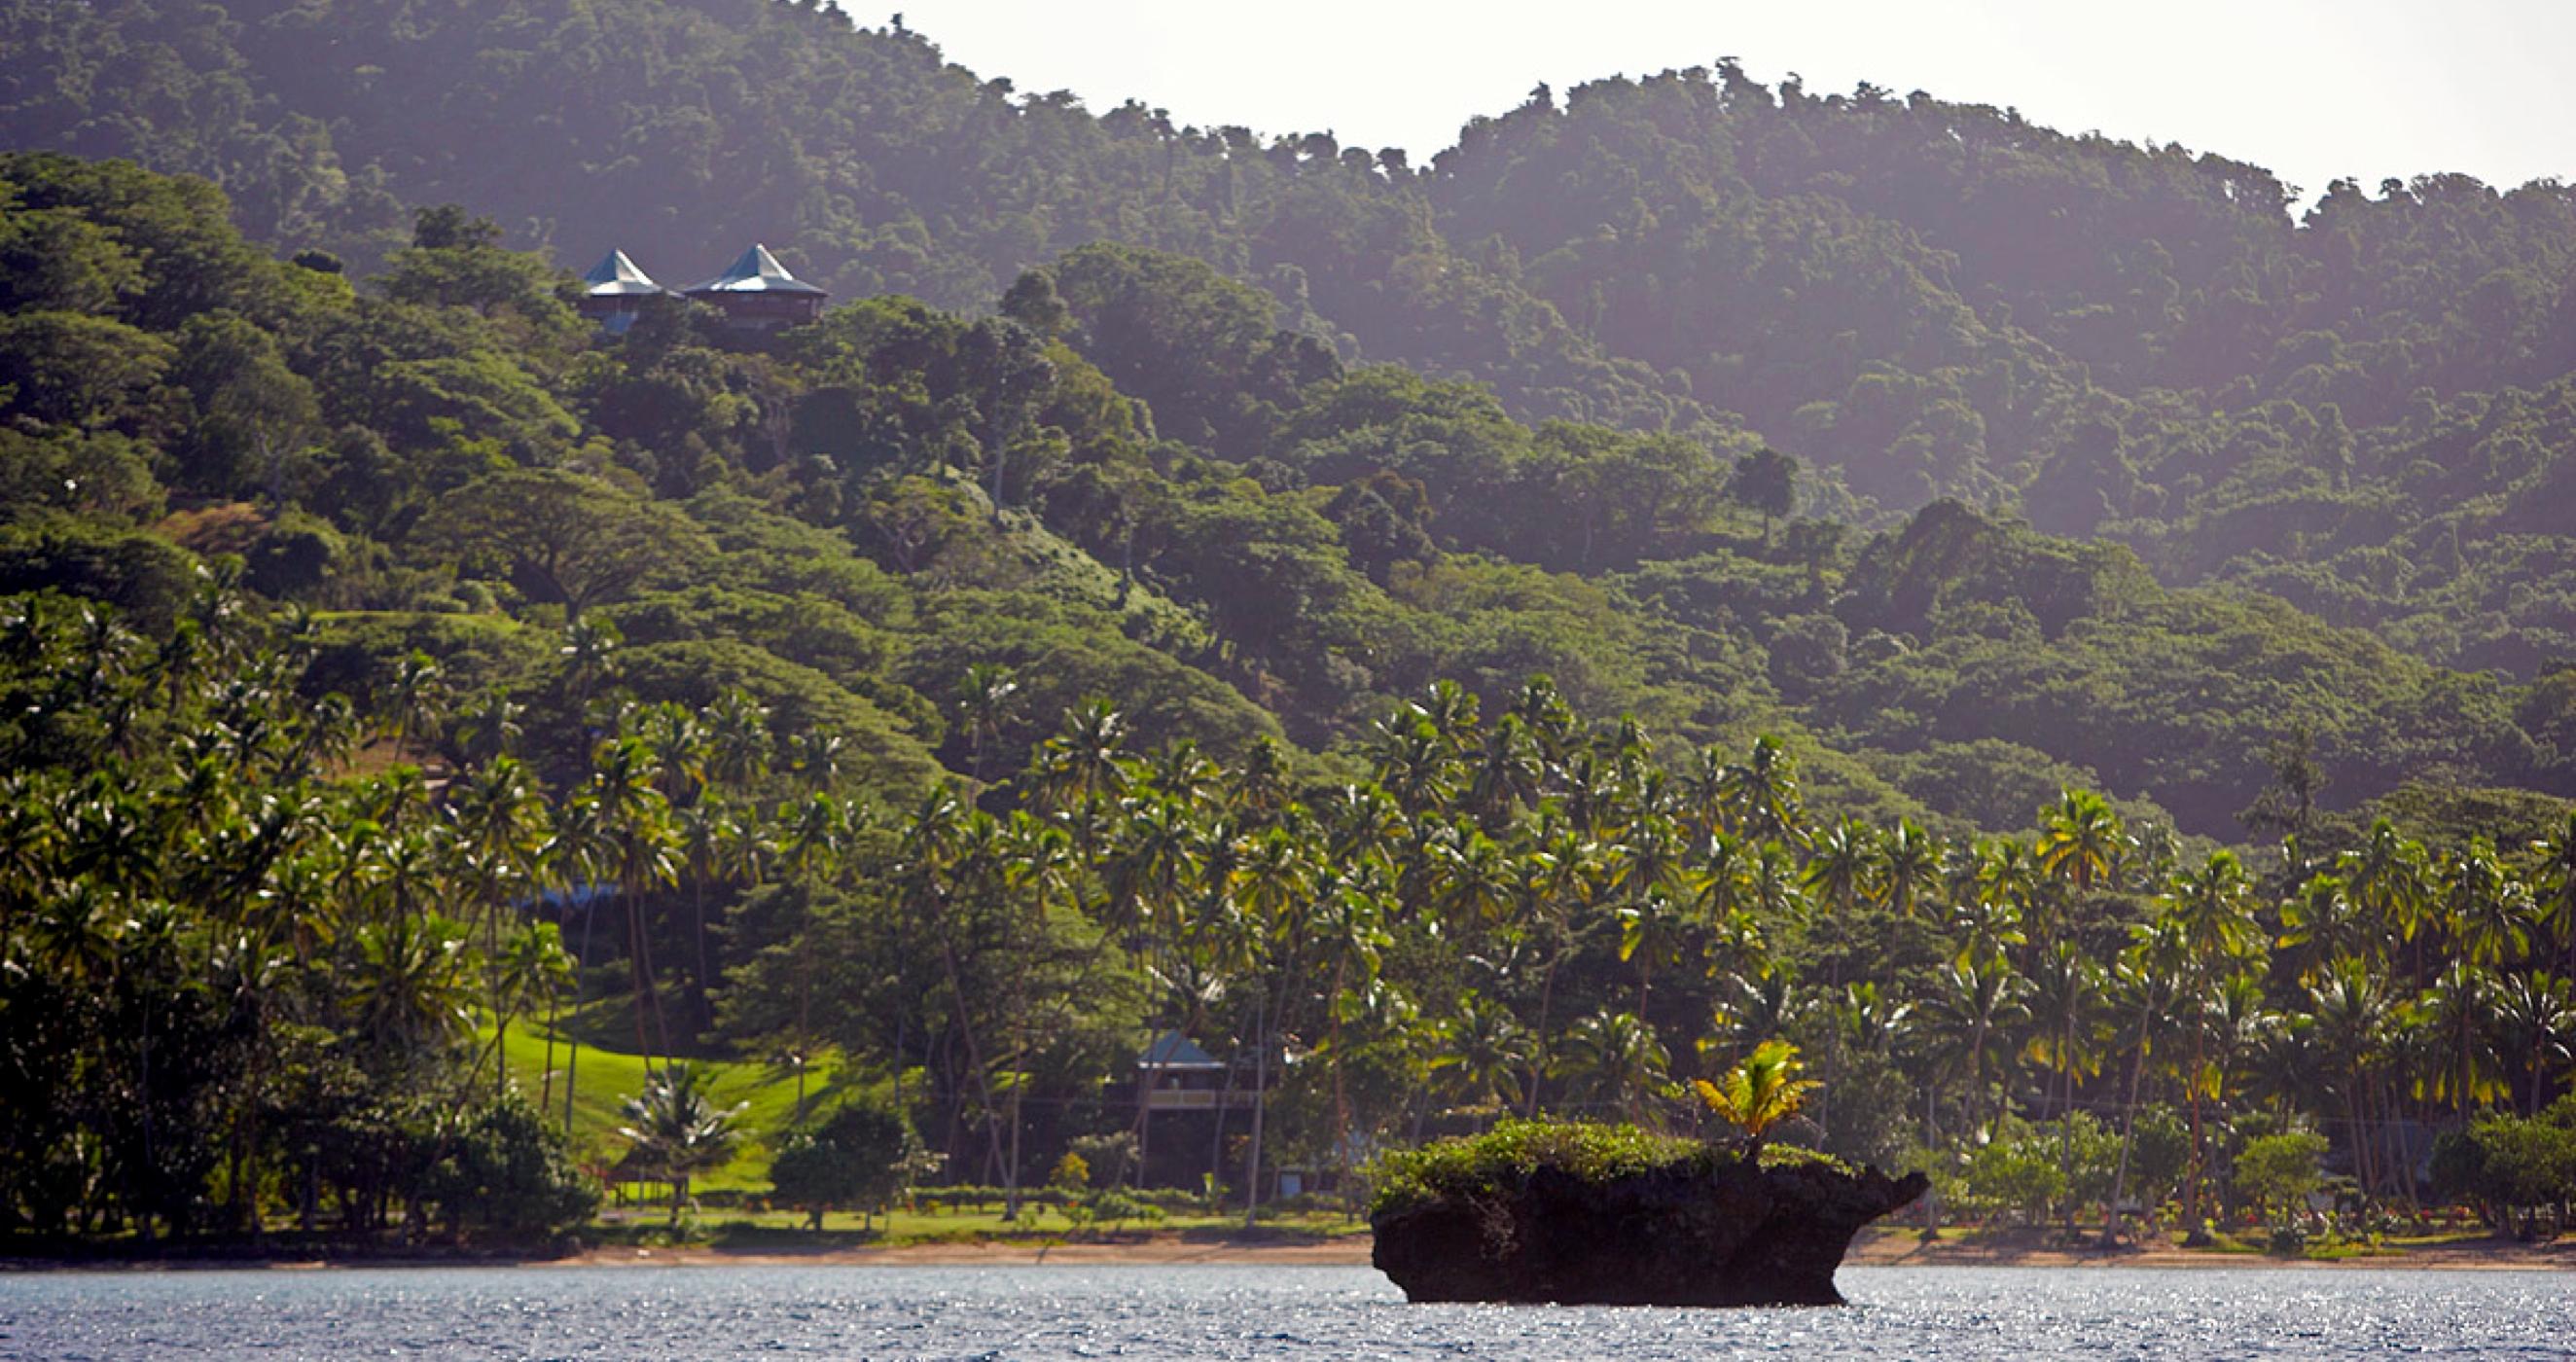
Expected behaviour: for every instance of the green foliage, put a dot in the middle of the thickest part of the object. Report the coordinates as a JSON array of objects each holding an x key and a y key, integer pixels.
[
  {"x": 925, "y": 683},
  {"x": 506, "y": 1168},
  {"x": 1501, "y": 1158},
  {"x": 2018, "y": 1177},
  {"x": 853, "y": 1159},
  {"x": 676, "y": 1131},
  {"x": 2279, "y": 1171},
  {"x": 1761, "y": 1091},
  {"x": 2507, "y": 1164}
]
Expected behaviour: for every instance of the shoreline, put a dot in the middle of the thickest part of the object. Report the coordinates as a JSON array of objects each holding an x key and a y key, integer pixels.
[
  {"x": 1873, "y": 1249},
  {"x": 1891, "y": 1247}
]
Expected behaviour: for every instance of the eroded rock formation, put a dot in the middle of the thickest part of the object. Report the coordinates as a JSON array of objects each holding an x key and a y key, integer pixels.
[{"x": 1735, "y": 1234}]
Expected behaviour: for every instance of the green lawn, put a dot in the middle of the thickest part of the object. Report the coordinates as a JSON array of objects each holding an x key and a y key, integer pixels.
[{"x": 606, "y": 1078}]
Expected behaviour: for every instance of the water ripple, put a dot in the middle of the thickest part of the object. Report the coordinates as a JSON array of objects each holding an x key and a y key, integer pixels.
[{"x": 1022, "y": 1314}]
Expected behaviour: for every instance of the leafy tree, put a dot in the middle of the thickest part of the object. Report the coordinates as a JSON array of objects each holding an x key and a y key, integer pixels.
[
  {"x": 570, "y": 539},
  {"x": 1767, "y": 481},
  {"x": 854, "y": 1158},
  {"x": 2279, "y": 1171}
]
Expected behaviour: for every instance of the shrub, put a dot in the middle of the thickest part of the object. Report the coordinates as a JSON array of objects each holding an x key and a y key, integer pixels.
[
  {"x": 1498, "y": 1160},
  {"x": 509, "y": 1170},
  {"x": 2279, "y": 1171},
  {"x": 2507, "y": 1164},
  {"x": 2022, "y": 1176},
  {"x": 1118, "y": 1206},
  {"x": 853, "y": 1159}
]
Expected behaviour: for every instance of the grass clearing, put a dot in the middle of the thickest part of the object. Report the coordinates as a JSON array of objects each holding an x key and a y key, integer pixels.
[{"x": 604, "y": 1079}]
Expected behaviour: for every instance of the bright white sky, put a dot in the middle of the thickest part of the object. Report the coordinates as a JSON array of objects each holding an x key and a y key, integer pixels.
[{"x": 2311, "y": 89}]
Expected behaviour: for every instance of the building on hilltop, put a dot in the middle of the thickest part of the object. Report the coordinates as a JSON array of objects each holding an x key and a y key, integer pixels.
[
  {"x": 758, "y": 293},
  {"x": 615, "y": 290}
]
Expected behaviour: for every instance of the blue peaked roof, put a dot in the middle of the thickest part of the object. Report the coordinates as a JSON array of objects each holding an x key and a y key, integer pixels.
[
  {"x": 619, "y": 277},
  {"x": 1172, "y": 1050},
  {"x": 757, "y": 271}
]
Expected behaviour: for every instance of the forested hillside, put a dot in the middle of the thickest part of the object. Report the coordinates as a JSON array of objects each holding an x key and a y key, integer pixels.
[
  {"x": 1688, "y": 558},
  {"x": 2357, "y": 406}
]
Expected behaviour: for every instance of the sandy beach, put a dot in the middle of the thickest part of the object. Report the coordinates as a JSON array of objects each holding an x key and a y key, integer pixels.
[{"x": 1901, "y": 1248}]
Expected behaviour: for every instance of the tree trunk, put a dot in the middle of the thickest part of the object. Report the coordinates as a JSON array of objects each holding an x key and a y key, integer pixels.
[
  {"x": 1260, "y": 1105},
  {"x": 2128, "y": 1126}
]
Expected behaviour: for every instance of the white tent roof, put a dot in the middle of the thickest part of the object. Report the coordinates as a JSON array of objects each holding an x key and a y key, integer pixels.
[
  {"x": 756, "y": 272},
  {"x": 616, "y": 276}
]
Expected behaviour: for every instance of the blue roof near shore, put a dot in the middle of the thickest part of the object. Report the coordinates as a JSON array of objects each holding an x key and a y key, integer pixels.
[{"x": 1172, "y": 1050}]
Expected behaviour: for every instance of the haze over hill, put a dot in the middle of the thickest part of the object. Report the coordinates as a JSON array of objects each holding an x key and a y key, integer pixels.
[{"x": 2315, "y": 90}]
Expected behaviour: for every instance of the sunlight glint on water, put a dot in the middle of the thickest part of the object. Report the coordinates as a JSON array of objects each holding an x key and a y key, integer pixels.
[{"x": 1258, "y": 1312}]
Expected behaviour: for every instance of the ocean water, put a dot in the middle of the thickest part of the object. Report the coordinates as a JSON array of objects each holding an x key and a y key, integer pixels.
[{"x": 1230, "y": 1311}]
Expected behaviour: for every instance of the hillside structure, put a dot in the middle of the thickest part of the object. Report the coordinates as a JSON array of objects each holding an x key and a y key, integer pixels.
[
  {"x": 755, "y": 293},
  {"x": 615, "y": 290}
]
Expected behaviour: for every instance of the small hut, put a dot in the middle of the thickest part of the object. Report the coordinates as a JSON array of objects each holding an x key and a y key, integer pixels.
[
  {"x": 758, "y": 294},
  {"x": 1177, "y": 1075}
]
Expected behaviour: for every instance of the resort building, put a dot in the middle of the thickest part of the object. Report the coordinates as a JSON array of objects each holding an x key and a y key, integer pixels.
[
  {"x": 755, "y": 294},
  {"x": 615, "y": 290},
  {"x": 1176, "y": 1075},
  {"x": 758, "y": 293}
]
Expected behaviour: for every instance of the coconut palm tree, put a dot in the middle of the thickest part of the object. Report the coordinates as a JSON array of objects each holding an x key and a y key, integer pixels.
[
  {"x": 1758, "y": 1093},
  {"x": 1761, "y": 794},
  {"x": 2461, "y": 1007},
  {"x": 413, "y": 986},
  {"x": 2349, "y": 1012},
  {"x": 2390, "y": 881},
  {"x": 2322, "y": 922},
  {"x": 678, "y": 1131},
  {"x": 1911, "y": 863},
  {"x": 1842, "y": 875},
  {"x": 2537, "y": 1023},
  {"x": 638, "y": 851},
  {"x": 500, "y": 831},
  {"x": 2485, "y": 912},
  {"x": 987, "y": 700},
  {"x": 1650, "y": 933},
  {"x": 413, "y": 700},
  {"x": 1614, "y": 1059},
  {"x": 1756, "y": 1007},
  {"x": 2079, "y": 839},
  {"x": 2069, "y": 1004},
  {"x": 534, "y": 967},
  {"x": 1482, "y": 1048},
  {"x": 2555, "y": 880},
  {"x": 1974, "y": 1007}
]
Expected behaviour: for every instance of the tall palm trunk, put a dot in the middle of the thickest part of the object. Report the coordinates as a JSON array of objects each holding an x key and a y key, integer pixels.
[
  {"x": 975, "y": 1064},
  {"x": 2128, "y": 1121},
  {"x": 572, "y": 1048},
  {"x": 1538, "y": 1037},
  {"x": 1260, "y": 1105}
]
